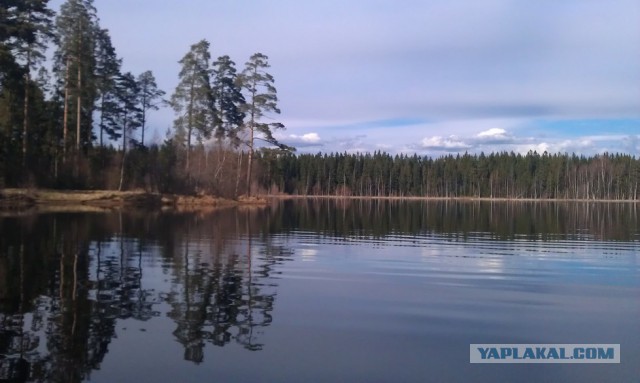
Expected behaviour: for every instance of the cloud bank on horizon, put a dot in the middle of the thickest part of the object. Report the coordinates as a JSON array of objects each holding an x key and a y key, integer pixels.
[{"x": 430, "y": 77}]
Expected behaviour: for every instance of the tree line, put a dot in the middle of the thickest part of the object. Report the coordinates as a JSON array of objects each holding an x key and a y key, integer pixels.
[
  {"x": 496, "y": 175},
  {"x": 81, "y": 121}
]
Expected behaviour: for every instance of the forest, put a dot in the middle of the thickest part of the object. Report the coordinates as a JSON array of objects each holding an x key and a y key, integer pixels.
[
  {"x": 78, "y": 121},
  {"x": 496, "y": 175}
]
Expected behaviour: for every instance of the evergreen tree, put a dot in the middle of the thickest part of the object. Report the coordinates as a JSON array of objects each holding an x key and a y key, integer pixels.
[
  {"x": 75, "y": 62},
  {"x": 129, "y": 111},
  {"x": 107, "y": 73},
  {"x": 8, "y": 31},
  {"x": 25, "y": 28},
  {"x": 228, "y": 98},
  {"x": 33, "y": 28},
  {"x": 150, "y": 97},
  {"x": 193, "y": 99},
  {"x": 262, "y": 100}
]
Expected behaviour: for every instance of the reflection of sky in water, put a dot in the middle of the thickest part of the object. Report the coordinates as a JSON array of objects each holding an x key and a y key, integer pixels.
[
  {"x": 566, "y": 261},
  {"x": 307, "y": 254},
  {"x": 396, "y": 307}
]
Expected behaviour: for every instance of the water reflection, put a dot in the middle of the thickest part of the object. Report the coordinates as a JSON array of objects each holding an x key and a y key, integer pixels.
[
  {"x": 71, "y": 283},
  {"x": 501, "y": 220},
  {"x": 67, "y": 279}
]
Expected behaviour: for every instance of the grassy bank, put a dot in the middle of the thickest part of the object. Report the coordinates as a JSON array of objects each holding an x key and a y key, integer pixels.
[{"x": 27, "y": 198}]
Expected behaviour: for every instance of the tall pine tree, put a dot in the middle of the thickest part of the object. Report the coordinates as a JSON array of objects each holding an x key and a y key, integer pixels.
[
  {"x": 193, "y": 99},
  {"x": 262, "y": 101},
  {"x": 33, "y": 29},
  {"x": 229, "y": 101},
  {"x": 150, "y": 97},
  {"x": 107, "y": 72},
  {"x": 25, "y": 29},
  {"x": 129, "y": 113},
  {"x": 75, "y": 65}
]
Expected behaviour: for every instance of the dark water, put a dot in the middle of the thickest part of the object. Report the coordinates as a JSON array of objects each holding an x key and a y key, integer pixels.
[{"x": 317, "y": 291}]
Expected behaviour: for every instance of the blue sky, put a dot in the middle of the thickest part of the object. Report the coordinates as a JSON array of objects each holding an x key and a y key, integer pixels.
[{"x": 432, "y": 77}]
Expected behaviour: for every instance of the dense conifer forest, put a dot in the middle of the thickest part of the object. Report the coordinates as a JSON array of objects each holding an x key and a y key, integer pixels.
[
  {"x": 497, "y": 175},
  {"x": 79, "y": 121}
]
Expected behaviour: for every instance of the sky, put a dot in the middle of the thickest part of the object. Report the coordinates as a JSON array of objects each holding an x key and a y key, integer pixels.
[{"x": 431, "y": 77}]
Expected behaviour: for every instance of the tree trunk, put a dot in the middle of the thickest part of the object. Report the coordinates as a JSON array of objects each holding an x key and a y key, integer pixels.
[
  {"x": 124, "y": 156},
  {"x": 238, "y": 173},
  {"x": 190, "y": 123},
  {"x": 65, "y": 117},
  {"x": 79, "y": 112},
  {"x": 101, "y": 118},
  {"x": 251, "y": 129},
  {"x": 25, "y": 122},
  {"x": 124, "y": 152},
  {"x": 144, "y": 116},
  {"x": 249, "y": 164},
  {"x": 221, "y": 162},
  {"x": 188, "y": 150}
]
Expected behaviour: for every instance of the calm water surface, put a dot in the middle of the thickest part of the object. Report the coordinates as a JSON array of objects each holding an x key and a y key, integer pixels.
[{"x": 317, "y": 291}]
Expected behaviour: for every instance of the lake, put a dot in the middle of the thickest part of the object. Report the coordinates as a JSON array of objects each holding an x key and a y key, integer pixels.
[{"x": 317, "y": 291}]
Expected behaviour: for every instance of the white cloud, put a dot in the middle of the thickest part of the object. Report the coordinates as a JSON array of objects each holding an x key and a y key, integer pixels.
[
  {"x": 447, "y": 144},
  {"x": 311, "y": 138},
  {"x": 495, "y": 136},
  {"x": 502, "y": 140},
  {"x": 493, "y": 132},
  {"x": 533, "y": 147},
  {"x": 436, "y": 138}
]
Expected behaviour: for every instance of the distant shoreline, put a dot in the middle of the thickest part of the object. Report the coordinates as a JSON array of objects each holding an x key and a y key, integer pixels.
[
  {"x": 101, "y": 200},
  {"x": 460, "y": 199}
]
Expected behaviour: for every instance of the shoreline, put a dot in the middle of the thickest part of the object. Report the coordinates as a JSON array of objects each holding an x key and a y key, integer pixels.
[
  {"x": 455, "y": 199},
  {"x": 22, "y": 199},
  {"x": 14, "y": 199}
]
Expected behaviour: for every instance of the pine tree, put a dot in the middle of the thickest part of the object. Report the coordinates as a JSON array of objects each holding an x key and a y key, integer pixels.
[
  {"x": 228, "y": 98},
  {"x": 193, "y": 99},
  {"x": 262, "y": 101},
  {"x": 33, "y": 29},
  {"x": 25, "y": 29},
  {"x": 150, "y": 97},
  {"x": 229, "y": 103},
  {"x": 107, "y": 73},
  {"x": 8, "y": 31},
  {"x": 129, "y": 111},
  {"x": 75, "y": 63}
]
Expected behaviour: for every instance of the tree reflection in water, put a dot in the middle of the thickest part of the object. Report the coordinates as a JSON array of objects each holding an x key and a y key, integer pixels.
[{"x": 67, "y": 279}]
